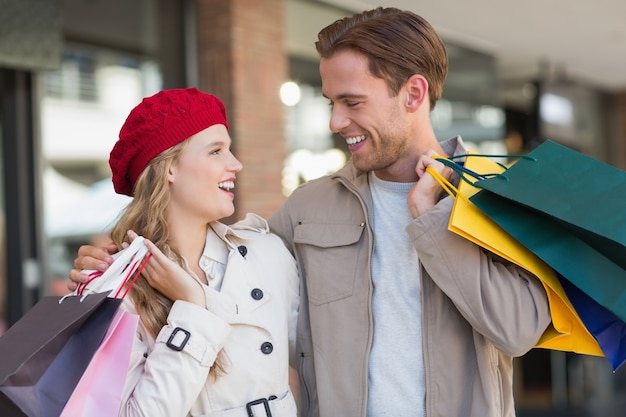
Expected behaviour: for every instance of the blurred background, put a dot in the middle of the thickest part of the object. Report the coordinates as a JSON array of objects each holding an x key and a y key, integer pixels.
[{"x": 71, "y": 70}]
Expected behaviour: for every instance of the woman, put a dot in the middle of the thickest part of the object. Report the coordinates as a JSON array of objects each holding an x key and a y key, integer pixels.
[{"x": 217, "y": 303}]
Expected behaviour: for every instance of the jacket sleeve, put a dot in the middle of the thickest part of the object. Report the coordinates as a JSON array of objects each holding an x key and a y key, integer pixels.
[
  {"x": 500, "y": 300},
  {"x": 163, "y": 381}
]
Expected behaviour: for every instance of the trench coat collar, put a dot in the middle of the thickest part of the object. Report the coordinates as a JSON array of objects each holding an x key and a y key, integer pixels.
[{"x": 240, "y": 274}]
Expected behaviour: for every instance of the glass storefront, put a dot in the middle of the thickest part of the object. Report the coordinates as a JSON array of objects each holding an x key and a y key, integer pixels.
[{"x": 83, "y": 105}]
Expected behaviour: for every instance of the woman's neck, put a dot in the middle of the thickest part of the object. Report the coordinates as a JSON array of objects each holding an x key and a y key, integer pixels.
[{"x": 189, "y": 237}]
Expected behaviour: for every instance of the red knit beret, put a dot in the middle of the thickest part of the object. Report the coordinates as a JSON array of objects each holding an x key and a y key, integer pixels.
[{"x": 156, "y": 124}]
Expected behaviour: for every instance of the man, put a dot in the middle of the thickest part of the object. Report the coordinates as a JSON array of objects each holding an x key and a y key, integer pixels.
[{"x": 399, "y": 316}]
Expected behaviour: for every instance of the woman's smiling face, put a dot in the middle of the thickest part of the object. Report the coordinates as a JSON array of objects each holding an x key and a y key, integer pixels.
[{"x": 202, "y": 178}]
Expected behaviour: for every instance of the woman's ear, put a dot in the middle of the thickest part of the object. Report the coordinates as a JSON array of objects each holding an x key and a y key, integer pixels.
[
  {"x": 416, "y": 89},
  {"x": 171, "y": 172}
]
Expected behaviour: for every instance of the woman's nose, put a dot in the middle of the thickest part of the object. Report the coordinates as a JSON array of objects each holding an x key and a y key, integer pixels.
[{"x": 235, "y": 165}]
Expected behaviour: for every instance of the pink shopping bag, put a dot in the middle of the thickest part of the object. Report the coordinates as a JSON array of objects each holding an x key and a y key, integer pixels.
[{"x": 99, "y": 391}]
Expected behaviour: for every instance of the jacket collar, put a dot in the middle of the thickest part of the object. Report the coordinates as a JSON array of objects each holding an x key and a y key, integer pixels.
[{"x": 221, "y": 236}]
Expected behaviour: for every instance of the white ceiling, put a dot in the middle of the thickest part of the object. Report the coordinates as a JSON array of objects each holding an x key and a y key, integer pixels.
[{"x": 584, "y": 40}]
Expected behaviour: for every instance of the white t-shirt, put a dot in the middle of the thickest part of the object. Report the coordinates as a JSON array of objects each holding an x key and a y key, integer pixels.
[{"x": 396, "y": 363}]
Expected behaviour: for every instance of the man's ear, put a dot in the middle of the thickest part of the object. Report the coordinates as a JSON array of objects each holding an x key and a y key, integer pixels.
[{"x": 416, "y": 89}]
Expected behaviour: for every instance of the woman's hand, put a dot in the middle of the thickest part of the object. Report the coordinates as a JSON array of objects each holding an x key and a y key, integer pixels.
[{"x": 170, "y": 279}]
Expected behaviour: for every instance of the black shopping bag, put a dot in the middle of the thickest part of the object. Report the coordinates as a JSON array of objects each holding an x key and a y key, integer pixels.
[{"x": 45, "y": 353}]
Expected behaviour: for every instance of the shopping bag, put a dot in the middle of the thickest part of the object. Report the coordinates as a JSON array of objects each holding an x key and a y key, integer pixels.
[
  {"x": 125, "y": 269},
  {"x": 557, "y": 245},
  {"x": 572, "y": 203},
  {"x": 566, "y": 332},
  {"x": 584, "y": 194},
  {"x": 605, "y": 326},
  {"x": 99, "y": 391},
  {"x": 61, "y": 321},
  {"x": 44, "y": 354}
]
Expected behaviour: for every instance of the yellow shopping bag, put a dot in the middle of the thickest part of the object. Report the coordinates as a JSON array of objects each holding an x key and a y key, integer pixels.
[{"x": 567, "y": 332}]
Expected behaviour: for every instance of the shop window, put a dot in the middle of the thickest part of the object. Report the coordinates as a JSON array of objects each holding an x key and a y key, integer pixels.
[{"x": 83, "y": 106}]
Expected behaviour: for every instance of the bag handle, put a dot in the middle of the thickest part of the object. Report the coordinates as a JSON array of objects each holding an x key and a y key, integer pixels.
[
  {"x": 464, "y": 172},
  {"x": 125, "y": 269},
  {"x": 133, "y": 273},
  {"x": 446, "y": 185}
]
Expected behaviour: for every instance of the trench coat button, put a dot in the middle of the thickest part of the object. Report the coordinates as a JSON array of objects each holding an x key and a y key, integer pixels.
[
  {"x": 256, "y": 293},
  {"x": 242, "y": 250},
  {"x": 267, "y": 348}
]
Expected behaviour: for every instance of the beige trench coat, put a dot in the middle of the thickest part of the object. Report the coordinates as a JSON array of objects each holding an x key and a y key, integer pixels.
[{"x": 252, "y": 318}]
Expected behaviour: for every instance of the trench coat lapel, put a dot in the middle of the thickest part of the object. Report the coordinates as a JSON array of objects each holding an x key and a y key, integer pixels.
[
  {"x": 236, "y": 302},
  {"x": 242, "y": 282}
]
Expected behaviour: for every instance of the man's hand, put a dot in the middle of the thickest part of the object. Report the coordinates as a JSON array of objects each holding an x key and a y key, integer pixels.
[
  {"x": 93, "y": 258},
  {"x": 425, "y": 194}
]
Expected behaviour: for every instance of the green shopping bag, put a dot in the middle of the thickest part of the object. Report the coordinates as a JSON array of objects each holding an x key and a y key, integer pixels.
[
  {"x": 584, "y": 194},
  {"x": 555, "y": 244},
  {"x": 565, "y": 207}
]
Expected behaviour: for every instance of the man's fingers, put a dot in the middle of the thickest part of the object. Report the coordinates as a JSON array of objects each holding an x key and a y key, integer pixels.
[
  {"x": 71, "y": 286},
  {"x": 92, "y": 257}
]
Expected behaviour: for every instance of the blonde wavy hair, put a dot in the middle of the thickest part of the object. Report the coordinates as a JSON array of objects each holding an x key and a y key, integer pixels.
[{"x": 145, "y": 215}]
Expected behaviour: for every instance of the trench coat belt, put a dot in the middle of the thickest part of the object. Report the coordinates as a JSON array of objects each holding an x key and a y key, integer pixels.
[{"x": 284, "y": 406}]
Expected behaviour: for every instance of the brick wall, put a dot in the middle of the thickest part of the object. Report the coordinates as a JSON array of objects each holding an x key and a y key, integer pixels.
[{"x": 242, "y": 60}]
